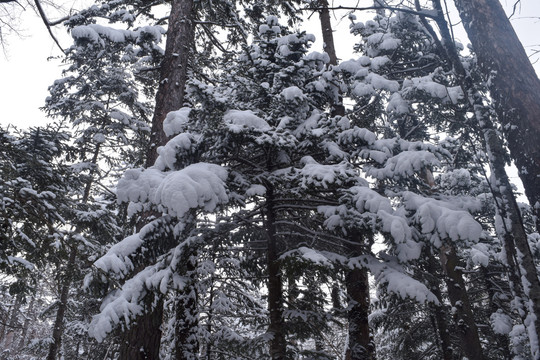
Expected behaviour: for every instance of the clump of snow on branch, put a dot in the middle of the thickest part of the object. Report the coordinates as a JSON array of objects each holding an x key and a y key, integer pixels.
[
  {"x": 241, "y": 120},
  {"x": 175, "y": 121}
]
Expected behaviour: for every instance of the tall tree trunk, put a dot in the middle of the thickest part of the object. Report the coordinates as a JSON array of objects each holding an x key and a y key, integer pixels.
[
  {"x": 514, "y": 87},
  {"x": 522, "y": 270},
  {"x": 438, "y": 311},
  {"x": 58, "y": 328},
  {"x": 503, "y": 341},
  {"x": 278, "y": 345},
  {"x": 360, "y": 345},
  {"x": 187, "y": 317},
  {"x": 459, "y": 299},
  {"x": 142, "y": 340},
  {"x": 173, "y": 71},
  {"x": 330, "y": 49},
  {"x": 169, "y": 97}
]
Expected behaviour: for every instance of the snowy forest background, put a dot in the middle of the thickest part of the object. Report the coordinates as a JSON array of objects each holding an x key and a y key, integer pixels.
[{"x": 210, "y": 187}]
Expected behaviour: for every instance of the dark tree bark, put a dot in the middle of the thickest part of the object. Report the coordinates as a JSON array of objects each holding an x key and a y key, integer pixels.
[
  {"x": 142, "y": 340},
  {"x": 513, "y": 84},
  {"x": 278, "y": 345},
  {"x": 330, "y": 49},
  {"x": 169, "y": 97},
  {"x": 438, "y": 312},
  {"x": 187, "y": 319},
  {"x": 521, "y": 269},
  {"x": 468, "y": 331},
  {"x": 173, "y": 71},
  {"x": 360, "y": 345}
]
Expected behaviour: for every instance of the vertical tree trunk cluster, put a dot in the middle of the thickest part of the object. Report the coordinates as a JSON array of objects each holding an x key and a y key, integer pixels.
[{"x": 513, "y": 84}]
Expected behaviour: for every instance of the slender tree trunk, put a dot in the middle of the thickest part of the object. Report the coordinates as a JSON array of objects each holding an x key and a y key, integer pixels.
[
  {"x": 278, "y": 345},
  {"x": 187, "y": 317},
  {"x": 360, "y": 345},
  {"x": 438, "y": 311},
  {"x": 459, "y": 299},
  {"x": 513, "y": 84},
  {"x": 330, "y": 49},
  {"x": 26, "y": 324},
  {"x": 58, "y": 328},
  {"x": 503, "y": 341}
]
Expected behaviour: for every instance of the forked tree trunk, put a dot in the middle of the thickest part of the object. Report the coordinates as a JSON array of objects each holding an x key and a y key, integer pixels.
[
  {"x": 459, "y": 299},
  {"x": 513, "y": 84}
]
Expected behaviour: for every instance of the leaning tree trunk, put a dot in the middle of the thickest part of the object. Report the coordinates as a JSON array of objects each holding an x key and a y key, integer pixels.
[
  {"x": 513, "y": 84},
  {"x": 145, "y": 334}
]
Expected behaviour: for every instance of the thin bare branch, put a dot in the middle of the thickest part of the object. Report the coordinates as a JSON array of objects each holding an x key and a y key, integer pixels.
[{"x": 47, "y": 24}]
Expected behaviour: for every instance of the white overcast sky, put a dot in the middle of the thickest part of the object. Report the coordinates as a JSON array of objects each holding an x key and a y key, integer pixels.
[{"x": 25, "y": 72}]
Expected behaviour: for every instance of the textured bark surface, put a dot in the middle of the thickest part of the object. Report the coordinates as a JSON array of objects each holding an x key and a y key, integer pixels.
[
  {"x": 278, "y": 345},
  {"x": 521, "y": 268},
  {"x": 330, "y": 49},
  {"x": 360, "y": 346},
  {"x": 513, "y": 84},
  {"x": 438, "y": 311},
  {"x": 459, "y": 299},
  {"x": 145, "y": 334},
  {"x": 142, "y": 340},
  {"x": 173, "y": 71}
]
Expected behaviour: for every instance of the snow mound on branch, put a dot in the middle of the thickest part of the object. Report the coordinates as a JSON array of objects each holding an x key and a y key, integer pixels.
[
  {"x": 96, "y": 33},
  {"x": 123, "y": 305},
  {"x": 434, "y": 89},
  {"x": 442, "y": 218},
  {"x": 167, "y": 153},
  {"x": 138, "y": 185},
  {"x": 117, "y": 260},
  {"x": 292, "y": 93},
  {"x": 240, "y": 120},
  {"x": 198, "y": 185},
  {"x": 404, "y": 164},
  {"x": 175, "y": 121},
  {"x": 314, "y": 173},
  {"x": 368, "y": 200},
  {"x": 394, "y": 279}
]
